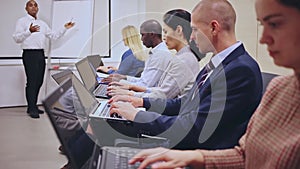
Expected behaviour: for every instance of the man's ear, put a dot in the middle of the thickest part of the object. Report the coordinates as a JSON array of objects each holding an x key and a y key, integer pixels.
[{"x": 215, "y": 27}]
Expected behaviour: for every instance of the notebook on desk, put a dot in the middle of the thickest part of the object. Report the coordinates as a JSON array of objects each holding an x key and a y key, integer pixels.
[{"x": 90, "y": 79}]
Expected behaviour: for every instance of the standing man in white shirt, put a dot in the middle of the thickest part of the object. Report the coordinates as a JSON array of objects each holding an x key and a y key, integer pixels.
[{"x": 31, "y": 33}]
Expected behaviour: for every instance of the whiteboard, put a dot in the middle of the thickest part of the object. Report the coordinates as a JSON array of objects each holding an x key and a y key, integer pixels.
[{"x": 77, "y": 41}]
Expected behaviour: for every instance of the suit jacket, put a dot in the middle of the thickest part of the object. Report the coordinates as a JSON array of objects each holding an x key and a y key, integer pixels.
[{"x": 212, "y": 116}]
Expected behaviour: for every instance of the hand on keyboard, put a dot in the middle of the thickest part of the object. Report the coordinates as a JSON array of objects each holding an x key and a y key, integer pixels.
[{"x": 115, "y": 115}]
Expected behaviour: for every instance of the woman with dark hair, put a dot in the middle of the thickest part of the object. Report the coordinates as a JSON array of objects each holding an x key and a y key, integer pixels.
[
  {"x": 181, "y": 18},
  {"x": 272, "y": 139},
  {"x": 181, "y": 72}
]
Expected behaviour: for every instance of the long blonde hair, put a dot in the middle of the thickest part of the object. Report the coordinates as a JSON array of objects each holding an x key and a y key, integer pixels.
[{"x": 132, "y": 39}]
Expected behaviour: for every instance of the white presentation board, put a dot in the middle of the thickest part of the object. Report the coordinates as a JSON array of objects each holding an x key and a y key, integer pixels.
[{"x": 77, "y": 40}]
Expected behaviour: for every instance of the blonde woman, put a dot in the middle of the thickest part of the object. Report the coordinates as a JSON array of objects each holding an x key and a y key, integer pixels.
[{"x": 132, "y": 60}]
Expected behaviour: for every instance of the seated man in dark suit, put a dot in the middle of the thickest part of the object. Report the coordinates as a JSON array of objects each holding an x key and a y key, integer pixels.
[{"x": 215, "y": 113}]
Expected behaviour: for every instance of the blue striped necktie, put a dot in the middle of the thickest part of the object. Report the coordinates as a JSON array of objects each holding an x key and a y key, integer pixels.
[{"x": 208, "y": 67}]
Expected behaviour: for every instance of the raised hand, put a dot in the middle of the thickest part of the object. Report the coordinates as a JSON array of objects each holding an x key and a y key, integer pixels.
[
  {"x": 69, "y": 25},
  {"x": 34, "y": 28}
]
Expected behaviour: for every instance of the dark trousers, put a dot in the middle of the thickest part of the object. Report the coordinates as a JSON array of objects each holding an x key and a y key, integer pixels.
[{"x": 34, "y": 64}]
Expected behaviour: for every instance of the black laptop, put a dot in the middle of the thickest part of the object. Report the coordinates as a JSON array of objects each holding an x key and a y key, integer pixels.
[
  {"x": 52, "y": 107},
  {"x": 109, "y": 157}
]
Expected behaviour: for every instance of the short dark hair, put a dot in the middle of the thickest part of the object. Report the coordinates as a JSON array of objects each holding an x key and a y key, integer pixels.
[
  {"x": 290, "y": 3},
  {"x": 152, "y": 26}
]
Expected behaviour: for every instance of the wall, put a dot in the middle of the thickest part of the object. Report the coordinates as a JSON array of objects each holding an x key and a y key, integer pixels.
[
  {"x": 247, "y": 28},
  {"x": 11, "y": 71}
]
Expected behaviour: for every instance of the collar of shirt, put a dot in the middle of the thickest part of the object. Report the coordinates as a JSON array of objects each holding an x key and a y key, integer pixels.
[
  {"x": 31, "y": 17},
  {"x": 160, "y": 47},
  {"x": 218, "y": 58},
  {"x": 184, "y": 50}
]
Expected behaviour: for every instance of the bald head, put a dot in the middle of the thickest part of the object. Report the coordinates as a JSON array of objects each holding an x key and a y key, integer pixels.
[
  {"x": 219, "y": 10},
  {"x": 32, "y": 8},
  {"x": 30, "y": 2},
  {"x": 152, "y": 26}
]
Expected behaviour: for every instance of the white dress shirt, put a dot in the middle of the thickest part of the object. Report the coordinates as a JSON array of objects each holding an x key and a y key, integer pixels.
[
  {"x": 218, "y": 58},
  {"x": 178, "y": 78},
  {"x": 155, "y": 66},
  {"x": 35, "y": 40}
]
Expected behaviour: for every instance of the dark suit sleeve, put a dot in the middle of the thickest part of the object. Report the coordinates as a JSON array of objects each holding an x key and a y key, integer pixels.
[
  {"x": 162, "y": 106},
  {"x": 220, "y": 119}
]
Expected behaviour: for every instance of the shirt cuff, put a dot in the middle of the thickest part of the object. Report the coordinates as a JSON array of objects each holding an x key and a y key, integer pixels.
[
  {"x": 110, "y": 71},
  {"x": 146, "y": 103}
]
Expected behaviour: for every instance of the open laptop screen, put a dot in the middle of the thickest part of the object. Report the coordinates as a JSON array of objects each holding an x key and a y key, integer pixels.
[
  {"x": 87, "y": 100},
  {"x": 86, "y": 73},
  {"x": 95, "y": 60}
]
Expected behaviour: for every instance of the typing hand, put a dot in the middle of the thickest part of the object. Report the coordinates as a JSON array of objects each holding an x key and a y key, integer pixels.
[
  {"x": 113, "y": 78},
  {"x": 115, "y": 90},
  {"x": 135, "y": 101},
  {"x": 112, "y": 68},
  {"x": 123, "y": 109},
  {"x": 103, "y": 69},
  {"x": 120, "y": 85},
  {"x": 166, "y": 158},
  {"x": 34, "y": 28}
]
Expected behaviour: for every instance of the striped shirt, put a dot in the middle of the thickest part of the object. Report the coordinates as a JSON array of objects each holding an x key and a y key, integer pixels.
[{"x": 272, "y": 139}]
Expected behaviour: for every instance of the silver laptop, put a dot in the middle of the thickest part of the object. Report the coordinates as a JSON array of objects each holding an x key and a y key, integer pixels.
[
  {"x": 92, "y": 107},
  {"x": 95, "y": 60},
  {"x": 62, "y": 76},
  {"x": 90, "y": 79}
]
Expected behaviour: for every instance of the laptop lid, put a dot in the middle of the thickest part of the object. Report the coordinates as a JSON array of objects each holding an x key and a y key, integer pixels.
[
  {"x": 52, "y": 107},
  {"x": 86, "y": 73},
  {"x": 62, "y": 76},
  {"x": 95, "y": 60},
  {"x": 88, "y": 101}
]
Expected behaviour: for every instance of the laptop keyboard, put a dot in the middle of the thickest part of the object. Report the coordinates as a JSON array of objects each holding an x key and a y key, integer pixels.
[
  {"x": 105, "y": 112},
  {"x": 120, "y": 157},
  {"x": 101, "y": 90}
]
